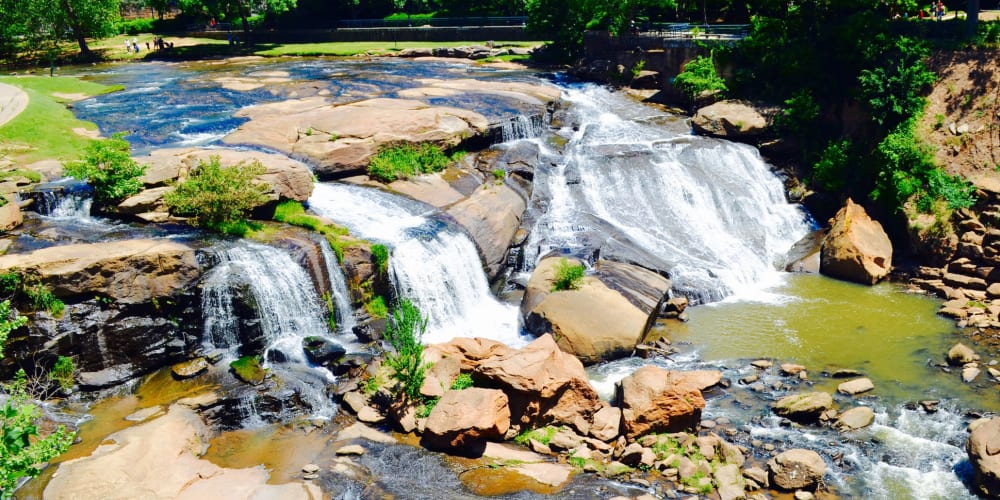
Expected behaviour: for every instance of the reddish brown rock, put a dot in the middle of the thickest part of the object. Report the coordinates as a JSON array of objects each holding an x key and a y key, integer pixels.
[
  {"x": 655, "y": 400},
  {"x": 797, "y": 469},
  {"x": 463, "y": 418},
  {"x": 856, "y": 248},
  {"x": 983, "y": 448}
]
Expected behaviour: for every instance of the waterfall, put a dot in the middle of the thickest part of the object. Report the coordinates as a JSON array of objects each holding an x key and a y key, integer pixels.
[
  {"x": 340, "y": 296},
  {"x": 519, "y": 127},
  {"x": 711, "y": 210},
  {"x": 64, "y": 199},
  {"x": 434, "y": 265},
  {"x": 284, "y": 297}
]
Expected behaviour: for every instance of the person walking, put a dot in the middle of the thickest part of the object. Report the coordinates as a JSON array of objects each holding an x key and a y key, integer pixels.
[{"x": 939, "y": 14}]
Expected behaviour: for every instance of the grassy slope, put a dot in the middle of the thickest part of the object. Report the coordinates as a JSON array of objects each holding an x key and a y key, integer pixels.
[{"x": 44, "y": 130}]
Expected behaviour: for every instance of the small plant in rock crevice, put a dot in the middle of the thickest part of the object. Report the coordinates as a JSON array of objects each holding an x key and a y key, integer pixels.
[
  {"x": 405, "y": 332},
  {"x": 568, "y": 276}
]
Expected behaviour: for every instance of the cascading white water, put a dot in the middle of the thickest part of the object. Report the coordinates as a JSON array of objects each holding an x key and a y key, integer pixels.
[
  {"x": 75, "y": 205},
  {"x": 518, "y": 127},
  {"x": 340, "y": 296},
  {"x": 712, "y": 210},
  {"x": 435, "y": 266},
  {"x": 285, "y": 298}
]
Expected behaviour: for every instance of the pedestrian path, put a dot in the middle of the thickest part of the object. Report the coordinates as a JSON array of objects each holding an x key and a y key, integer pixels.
[{"x": 12, "y": 101}]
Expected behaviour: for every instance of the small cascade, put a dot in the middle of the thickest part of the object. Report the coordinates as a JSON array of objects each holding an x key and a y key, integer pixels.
[
  {"x": 434, "y": 265},
  {"x": 65, "y": 199},
  {"x": 340, "y": 296},
  {"x": 711, "y": 212},
  {"x": 519, "y": 127}
]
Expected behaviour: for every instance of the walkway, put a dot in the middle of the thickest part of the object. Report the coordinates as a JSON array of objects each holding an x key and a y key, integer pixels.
[{"x": 12, "y": 101}]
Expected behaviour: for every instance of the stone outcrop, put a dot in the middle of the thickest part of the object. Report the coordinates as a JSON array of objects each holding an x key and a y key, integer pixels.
[
  {"x": 159, "y": 459},
  {"x": 856, "y": 248},
  {"x": 805, "y": 408},
  {"x": 602, "y": 320},
  {"x": 462, "y": 418},
  {"x": 656, "y": 400},
  {"x": 491, "y": 217},
  {"x": 10, "y": 216},
  {"x": 983, "y": 448},
  {"x": 797, "y": 469},
  {"x": 734, "y": 120},
  {"x": 339, "y": 139},
  {"x": 128, "y": 272}
]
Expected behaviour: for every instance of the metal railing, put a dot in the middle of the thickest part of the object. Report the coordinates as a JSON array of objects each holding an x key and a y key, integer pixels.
[
  {"x": 689, "y": 30},
  {"x": 436, "y": 22}
]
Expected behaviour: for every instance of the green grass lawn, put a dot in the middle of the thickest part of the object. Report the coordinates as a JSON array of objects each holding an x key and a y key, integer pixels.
[
  {"x": 356, "y": 48},
  {"x": 44, "y": 130}
]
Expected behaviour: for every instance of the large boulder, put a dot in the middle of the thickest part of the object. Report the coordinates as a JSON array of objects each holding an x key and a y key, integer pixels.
[
  {"x": 602, "y": 320},
  {"x": 10, "y": 215},
  {"x": 730, "y": 119},
  {"x": 797, "y": 469},
  {"x": 160, "y": 459},
  {"x": 491, "y": 216},
  {"x": 128, "y": 272},
  {"x": 545, "y": 385},
  {"x": 339, "y": 139},
  {"x": 805, "y": 408},
  {"x": 656, "y": 400},
  {"x": 286, "y": 178},
  {"x": 469, "y": 352},
  {"x": 466, "y": 417},
  {"x": 983, "y": 448},
  {"x": 856, "y": 248}
]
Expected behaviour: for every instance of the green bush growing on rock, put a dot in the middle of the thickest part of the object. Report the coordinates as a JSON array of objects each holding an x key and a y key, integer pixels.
[
  {"x": 29, "y": 292},
  {"x": 22, "y": 451},
  {"x": 63, "y": 373},
  {"x": 405, "y": 332},
  {"x": 425, "y": 409},
  {"x": 568, "y": 276},
  {"x": 405, "y": 161},
  {"x": 376, "y": 307},
  {"x": 699, "y": 76},
  {"x": 108, "y": 166},
  {"x": 381, "y": 256},
  {"x": 219, "y": 198},
  {"x": 463, "y": 381}
]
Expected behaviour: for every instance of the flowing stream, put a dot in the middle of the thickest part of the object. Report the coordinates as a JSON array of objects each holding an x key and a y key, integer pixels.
[{"x": 434, "y": 265}]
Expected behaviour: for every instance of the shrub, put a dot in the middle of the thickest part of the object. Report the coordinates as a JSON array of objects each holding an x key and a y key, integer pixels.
[
  {"x": 108, "y": 166},
  {"x": 463, "y": 381},
  {"x": 136, "y": 26},
  {"x": 376, "y": 307},
  {"x": 63, "y": 372},
  {"x": 568, "y": 276},
  {"x": 9, "y": 321},
  {"x": 699, "y": 76},
  {"x": 543, "y": 435},
  {"x": 219, "y": 198},
  {"x": 29, "y": 292},
  {"x": 427, "y": 407},
  {"x": 405, "y": 161},
  {"x": 380, "y": 254},
  {"x": 893, "y": 89},
  {"x": 405, "y": 332},
  {"x": 830, "y": 171}
]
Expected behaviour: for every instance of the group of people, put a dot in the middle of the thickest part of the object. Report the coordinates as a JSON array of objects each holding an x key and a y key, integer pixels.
[
  {"x": 158, "y": 42},
  {"x": 937, "y": 9}
]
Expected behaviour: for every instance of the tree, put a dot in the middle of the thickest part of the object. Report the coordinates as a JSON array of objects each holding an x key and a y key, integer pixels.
[
  {"x": 241, "y": 9},
  {"x": 85, "y": 18},
  {"x": 971, "y": 18},
  {"x": 108, "y": 166}
]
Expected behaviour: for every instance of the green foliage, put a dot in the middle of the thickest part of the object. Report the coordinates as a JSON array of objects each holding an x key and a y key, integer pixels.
[
  {"x": 830, "y": 172},
  {"x": 499, "y": 174},
  {"x": 63, "y": 372},
  {"x": 376, "y": 307},
  {"x": 405, "y": 332},
  {"x": 405, "y": 161},
  {"x": 988, "y": 33},
  {"x": 27, "y": 291},
  {"x": 893, "y": 88},
  {"x": 427, "y": 407},
  {"x": 543, "y": 435},
  {"x": 463, "y": 381},
  {"x": 219, "y": 198},
  {"x": 568, "y": 276},
  {"x": 136, "y": 26},
  {"x": 108, "y": 166},
  {"x": 800, "y": 113},
  {"x": 699, "y": 76},
  {"x": 331, "y": 311},
  {"x": 249, "y": 369},
  {"x": 909, "y": 173},
  {"x": 380, "y": 254},
  {"x": 9, "y": 321},
  {"x": 639, "y": 66}
]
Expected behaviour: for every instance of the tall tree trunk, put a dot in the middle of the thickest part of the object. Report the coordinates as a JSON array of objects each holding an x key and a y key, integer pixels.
[
  {"x": 972, "y": 18},
  {"x": 244, "y": 14},
  {"x": 74, "y": 24}
]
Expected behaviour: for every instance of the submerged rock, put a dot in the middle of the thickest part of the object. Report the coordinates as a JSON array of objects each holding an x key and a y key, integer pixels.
[
  {"x": 249, "y": 370},
  {"x": 856, "y": 248}
]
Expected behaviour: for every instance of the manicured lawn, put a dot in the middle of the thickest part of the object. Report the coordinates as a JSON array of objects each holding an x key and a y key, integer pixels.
[
  {"x": 355, "y": 48},
  {"x": 44, "y": 130}
]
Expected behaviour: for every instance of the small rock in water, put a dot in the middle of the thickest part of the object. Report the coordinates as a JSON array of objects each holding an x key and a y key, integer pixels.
[
  {"x": 189, "y": 369},
  {"x": 763, "y": 364},
  {"x": 969, "y": 374},
  {"x": 804, "y": 495},
  {"x": 791, "y": 368},
  {"x": 845, "y": 373},
  {"x": 929, "y": 405},
  {"x": 961, "y": 354},
  {"x": 856, "y": 386},
  {"x": 310, "y": 468},
  {"x": 749, "y": 379},
  {"x": 351, "y": 449},
  {"x": 310, "y": 477}
]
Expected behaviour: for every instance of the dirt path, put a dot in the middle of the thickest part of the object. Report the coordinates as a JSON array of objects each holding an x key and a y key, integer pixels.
[{"x": 12, "y": 101}]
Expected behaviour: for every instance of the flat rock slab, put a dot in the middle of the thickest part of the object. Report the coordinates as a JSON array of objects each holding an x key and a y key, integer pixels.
[
  {"x": 144, "y": 414},
  {"x": 507, "y": 452},
  {"x": 856, "y": 386},
  {"x": 545, "y": 473},
  {"x": 362, "y": 431},
  {"x": 855, "y": 418}
]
